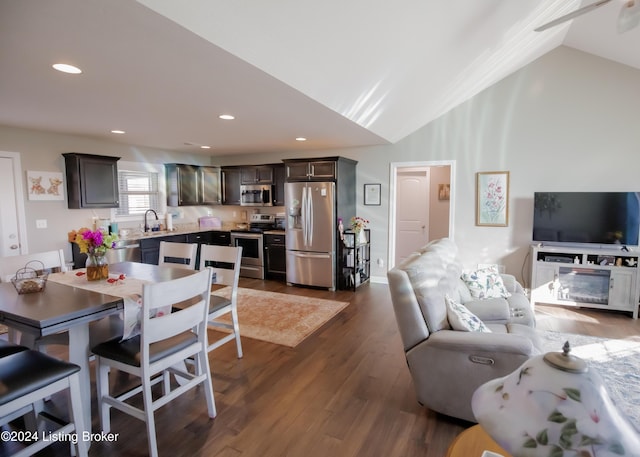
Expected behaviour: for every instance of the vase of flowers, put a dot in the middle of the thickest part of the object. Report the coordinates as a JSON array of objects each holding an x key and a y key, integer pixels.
[
  {"x": 95, "y": 244},
  {"x": 358, "y": 224}
]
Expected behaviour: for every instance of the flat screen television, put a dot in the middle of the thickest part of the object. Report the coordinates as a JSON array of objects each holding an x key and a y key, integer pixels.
[{"x": 603, "y": 218}]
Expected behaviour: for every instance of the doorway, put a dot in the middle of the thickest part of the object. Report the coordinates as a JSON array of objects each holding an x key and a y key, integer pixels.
[
  {"x": 13, "y": 233},
  {"x": 421, "y": 206}
]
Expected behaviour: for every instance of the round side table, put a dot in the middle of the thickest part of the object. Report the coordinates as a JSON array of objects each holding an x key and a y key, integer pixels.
[{"x": 473, "y": 442}]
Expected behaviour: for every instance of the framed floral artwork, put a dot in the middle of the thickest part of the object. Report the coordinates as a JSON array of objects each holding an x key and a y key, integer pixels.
[{"x": 492, "y": 198}]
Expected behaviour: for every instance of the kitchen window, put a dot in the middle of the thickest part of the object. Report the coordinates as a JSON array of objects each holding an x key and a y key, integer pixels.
[{"x": 141, "y": 188}]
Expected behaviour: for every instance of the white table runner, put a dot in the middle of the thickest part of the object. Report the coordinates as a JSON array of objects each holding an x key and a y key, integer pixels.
[{"x": 129, "y": 289}]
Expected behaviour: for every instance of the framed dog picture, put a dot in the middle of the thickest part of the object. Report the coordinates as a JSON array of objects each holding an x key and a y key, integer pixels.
[{"x": 45, "y": 185}]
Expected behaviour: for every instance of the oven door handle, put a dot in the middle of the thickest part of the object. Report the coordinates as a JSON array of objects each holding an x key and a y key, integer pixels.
[{"x": 247, "y": 236}]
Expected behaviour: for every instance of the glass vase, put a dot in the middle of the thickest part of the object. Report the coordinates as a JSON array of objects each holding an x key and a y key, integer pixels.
[
  {"x": 361, "y": 237},
  {"x": 97, "y": 266}
]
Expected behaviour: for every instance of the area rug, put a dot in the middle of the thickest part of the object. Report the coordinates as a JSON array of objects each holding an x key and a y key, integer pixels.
[
  {"x": 616, "y": 360},
  {"x": 280, "y": 318}
]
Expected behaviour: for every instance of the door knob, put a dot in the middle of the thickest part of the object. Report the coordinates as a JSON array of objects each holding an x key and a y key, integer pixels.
[{"x": 13, "y": 246}]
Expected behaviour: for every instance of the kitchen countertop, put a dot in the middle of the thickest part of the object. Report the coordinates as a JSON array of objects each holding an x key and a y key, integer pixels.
[
  {"x": 188, "y": 229},
  {"x": 185, "y": 230},
  {"x": 274, "y": 232}
]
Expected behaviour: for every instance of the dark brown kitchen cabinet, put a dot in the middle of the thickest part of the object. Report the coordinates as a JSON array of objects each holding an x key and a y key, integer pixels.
[
  {"x": 211, "y": 185},
  {"x": 230, "y": 186},
  {"x": 259, "y": 174},
  {"x": 189, "y": 185},
  {"x": 182, "y": 184},
  {"x": 279, "y": 178},
  {"x": 275, "y": 258},
  {"x": 92, "y": 181},
  {"x": 311, "y": 170}
]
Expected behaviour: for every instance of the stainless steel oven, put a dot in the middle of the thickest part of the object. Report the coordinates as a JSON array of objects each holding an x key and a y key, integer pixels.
[{"x": 252, "y": 265}]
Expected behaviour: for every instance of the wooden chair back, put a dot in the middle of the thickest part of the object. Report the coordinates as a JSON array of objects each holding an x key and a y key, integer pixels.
[
  {"x": 224, "y": 261},
  {"x": 178, "y": 255}
]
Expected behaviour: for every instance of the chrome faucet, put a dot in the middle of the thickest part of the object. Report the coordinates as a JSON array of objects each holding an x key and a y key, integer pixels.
[{"x": 146, "y": 225}]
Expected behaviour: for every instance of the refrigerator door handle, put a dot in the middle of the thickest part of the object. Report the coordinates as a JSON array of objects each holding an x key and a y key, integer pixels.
[
  {"x": 311, "y": 227},
  {"x": 303, "y": 215},
  {"x": 312, "y": 255}
]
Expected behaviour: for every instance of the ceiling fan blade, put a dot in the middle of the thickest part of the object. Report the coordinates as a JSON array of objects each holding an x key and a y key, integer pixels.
[
  {"x": 629, "y": 17},
  {"x": 576, "y": 13}
]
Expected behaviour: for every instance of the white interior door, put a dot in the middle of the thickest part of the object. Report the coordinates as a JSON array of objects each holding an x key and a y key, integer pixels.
[
  {"x": 12, "y": 228},
  {"x": 412, "y": 211}
]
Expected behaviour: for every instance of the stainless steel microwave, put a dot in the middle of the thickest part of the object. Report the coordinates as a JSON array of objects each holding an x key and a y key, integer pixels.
[{"x": 256, "y": 195}]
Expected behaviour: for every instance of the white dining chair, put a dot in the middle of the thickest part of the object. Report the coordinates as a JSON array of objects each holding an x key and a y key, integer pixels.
[
  {"x": 178, "y": 255},
  {"x": 225, "y": 262},
  {"x": 49, "y": 261},
  {"x": 164, "y": 343}
]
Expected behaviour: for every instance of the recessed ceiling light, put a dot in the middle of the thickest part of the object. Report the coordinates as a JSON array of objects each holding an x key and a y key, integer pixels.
[
  {"x": 301, "y": 138},
  {"x": 205, "y": 147},
  {"x": 66, "y": 68},
  {"x": 118, "y": 132},
  {"x": 227, "y": 117}
]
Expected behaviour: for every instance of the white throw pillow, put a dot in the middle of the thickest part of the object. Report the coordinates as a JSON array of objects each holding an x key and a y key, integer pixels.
[
  {"x": 460, "y": 318},
  {"x": 485, "y": 283}
]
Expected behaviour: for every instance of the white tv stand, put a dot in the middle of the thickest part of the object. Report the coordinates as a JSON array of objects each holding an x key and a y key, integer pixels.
[{"x": 585, "y": 277}]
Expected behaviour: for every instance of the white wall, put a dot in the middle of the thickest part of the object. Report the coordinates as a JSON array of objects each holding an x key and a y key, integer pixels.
[
  {"x": 567, "y": 121},
  {"x": 42, "y": 151}
]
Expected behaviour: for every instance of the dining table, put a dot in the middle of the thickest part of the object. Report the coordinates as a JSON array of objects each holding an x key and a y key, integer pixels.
[{"x": 70, "y": 303}]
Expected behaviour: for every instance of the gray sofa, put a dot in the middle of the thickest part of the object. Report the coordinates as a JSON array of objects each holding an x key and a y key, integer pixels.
[{"x": 448, "y": 365}]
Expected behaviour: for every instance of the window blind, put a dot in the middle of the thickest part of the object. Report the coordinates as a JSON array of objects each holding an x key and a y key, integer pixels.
[{"x": 138, "y": 192}]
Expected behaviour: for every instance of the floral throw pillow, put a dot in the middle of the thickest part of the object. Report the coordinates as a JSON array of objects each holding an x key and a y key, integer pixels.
[
  {"x": 460, "y": 318},
  {"x": 485, "y": 283}
]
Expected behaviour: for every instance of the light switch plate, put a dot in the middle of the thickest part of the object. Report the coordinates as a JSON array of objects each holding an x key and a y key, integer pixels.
[{"x": 41, "y": 223}]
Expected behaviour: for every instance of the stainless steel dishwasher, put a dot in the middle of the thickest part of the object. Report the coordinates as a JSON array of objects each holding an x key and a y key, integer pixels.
[{"x": 125, "y": 251}]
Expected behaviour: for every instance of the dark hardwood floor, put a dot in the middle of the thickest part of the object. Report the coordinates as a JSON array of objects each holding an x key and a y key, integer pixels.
[{"x": 345, "y": 391}]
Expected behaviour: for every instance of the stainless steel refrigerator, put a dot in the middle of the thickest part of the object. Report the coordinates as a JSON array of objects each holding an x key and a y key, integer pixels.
[{"x": 311, "y": 233}]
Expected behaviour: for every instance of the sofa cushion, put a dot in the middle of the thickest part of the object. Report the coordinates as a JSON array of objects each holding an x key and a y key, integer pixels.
[
  {"x": 460, "y": 318},
  {"x": 432, "y": 275},
  {"x": 463, "y": 292},
  {"x": 485, "y": 283}
]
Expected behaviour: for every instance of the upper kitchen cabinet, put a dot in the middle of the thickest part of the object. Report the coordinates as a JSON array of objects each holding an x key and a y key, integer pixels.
[
  {"x": 182, "y": 184},
  {"x": 211, "y": 188},
  {"x": 92, "y": 181},
  {"x": 279, "y": 178},
  {"x": 326, "y": 168},
  {"x": 231, "y": 186},
  {"x": 192, "y": 185},
  {"x": 259, "y": 174}
]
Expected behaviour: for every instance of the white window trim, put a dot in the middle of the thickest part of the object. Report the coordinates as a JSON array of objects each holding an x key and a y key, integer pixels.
[{"x": 162, "y": 187}]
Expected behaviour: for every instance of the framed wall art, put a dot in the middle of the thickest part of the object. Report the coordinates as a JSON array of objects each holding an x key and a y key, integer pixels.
[
  {"x": 44, "y": 185},
  {"x": 492, "y": 198},
  {"x": 444, "y": 191},
  {"x": 372, "y": 194}
]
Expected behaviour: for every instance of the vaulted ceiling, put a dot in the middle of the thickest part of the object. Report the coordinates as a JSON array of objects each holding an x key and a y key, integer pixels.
[{"x": 340, "y": 74}]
